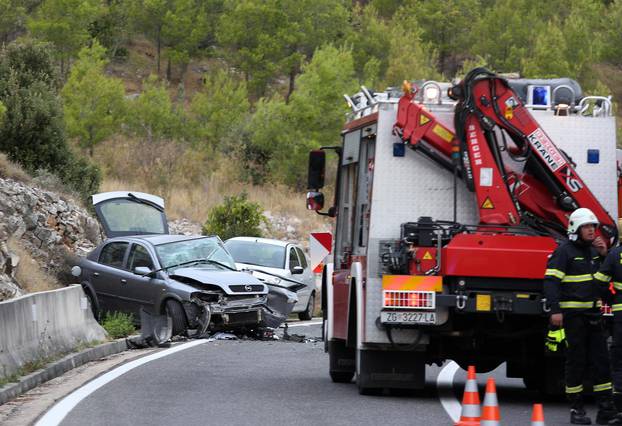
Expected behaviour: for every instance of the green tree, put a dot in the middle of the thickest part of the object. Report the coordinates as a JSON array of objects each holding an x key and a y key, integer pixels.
[
  {"x": 2, "y": 112},
  {"x": 585, "y": 22},
  {"x": 220, "y": 109},
  {"x": 446, "y": 25},
  {"x": 32, "y": 132},
  {"x": 149, "y": 17},
  {"x": 152, "y": 115},
  {"x": 501, "y": 36},
  {"x": 12, "y": 18},
  {"x": 65, "y": 24},
  {"x": 612, "y": 51},
  {"x": 409, "y": 61},
  {"x": 370, "y": 42},
  {"x": 247, "y": 30},
  {"x": 236, "y": 216},
  {"x": 309, "y": 24},
  {"x": 113, "y": 27},
  {"x": 157, "y": 124},
  {"x": 185, "y": 26},
  {"x": 548, "y": 57},
  {"x": 94, "y": 103},
  {"x": 285, "y": 133}
]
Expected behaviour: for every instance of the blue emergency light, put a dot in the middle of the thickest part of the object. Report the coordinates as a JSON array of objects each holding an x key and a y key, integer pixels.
[
  {"x": 539, "y": 96},
  {"x": 593, "y": 156}
]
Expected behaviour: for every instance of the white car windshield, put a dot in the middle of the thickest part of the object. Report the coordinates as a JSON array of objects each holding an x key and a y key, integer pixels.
[
  {"x": 257, "y": 253},
  {"x": 209, "y": 248}
]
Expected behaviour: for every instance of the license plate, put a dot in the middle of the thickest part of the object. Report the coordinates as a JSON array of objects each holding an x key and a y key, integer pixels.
[{"x": 408, "y": 317}]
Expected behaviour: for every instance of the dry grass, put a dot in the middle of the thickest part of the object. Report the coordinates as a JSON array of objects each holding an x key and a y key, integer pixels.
[
  {"x": 195, "y": 183},
  {"x": 11, "y": 170},
  {"x": 30, "y": 276}
]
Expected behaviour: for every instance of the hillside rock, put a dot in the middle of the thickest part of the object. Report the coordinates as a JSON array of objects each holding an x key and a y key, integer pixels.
[{"x": 52, "y": 228}]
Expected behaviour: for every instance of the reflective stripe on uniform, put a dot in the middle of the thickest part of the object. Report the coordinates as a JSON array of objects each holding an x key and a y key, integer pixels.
[
  {"x": 574, "y": 389},
  {"x": 617, "y": 307},
  {"x": 577, "y": 278},
  {"x": 602, "y": 277},
  {"x": 574, "y": 304},
  {"x": 555, "y": 273},
  {"x": 617, "y": 285},
  {"x": 602, "y": 387}
]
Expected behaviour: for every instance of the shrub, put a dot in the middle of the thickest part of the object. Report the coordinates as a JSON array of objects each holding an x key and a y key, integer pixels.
[
  {"x": 236, "y": 216},
  {"x": 118, "y": 324}
]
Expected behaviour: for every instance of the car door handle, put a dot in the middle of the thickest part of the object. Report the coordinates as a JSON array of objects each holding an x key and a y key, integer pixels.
[
  {"x": 96, "y": 274},
  {"x": 123, "y": 281}
]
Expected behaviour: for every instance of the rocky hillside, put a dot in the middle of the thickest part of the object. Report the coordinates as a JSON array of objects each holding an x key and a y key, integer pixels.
[{"x": 45, "y": 228}]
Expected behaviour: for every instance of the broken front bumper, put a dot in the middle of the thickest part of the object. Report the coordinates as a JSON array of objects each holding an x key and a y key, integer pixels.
[{"x": 234, "y": 314}]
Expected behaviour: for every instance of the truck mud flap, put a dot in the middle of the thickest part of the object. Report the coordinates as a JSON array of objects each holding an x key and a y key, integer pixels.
[
  {"x": 341, "y": 361},
  {"x": 390, "y": 369}
]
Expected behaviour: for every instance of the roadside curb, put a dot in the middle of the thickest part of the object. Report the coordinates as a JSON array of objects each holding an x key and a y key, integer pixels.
[{"x": 60, "y": 367}]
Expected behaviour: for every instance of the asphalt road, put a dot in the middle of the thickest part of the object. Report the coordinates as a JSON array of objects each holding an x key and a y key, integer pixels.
[{"x": 280, "y": 382}]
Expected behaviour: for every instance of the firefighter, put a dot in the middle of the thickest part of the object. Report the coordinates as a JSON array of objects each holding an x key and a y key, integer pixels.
[
  {"x": 574, "y": 299},
  {"x": 612, "y": 269}
]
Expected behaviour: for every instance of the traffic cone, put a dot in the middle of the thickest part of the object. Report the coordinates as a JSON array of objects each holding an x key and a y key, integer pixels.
[
  {"x": 470, "y": 413},
  {"x": 537, "y": 417},
  {"x": 490, "y": 410}
]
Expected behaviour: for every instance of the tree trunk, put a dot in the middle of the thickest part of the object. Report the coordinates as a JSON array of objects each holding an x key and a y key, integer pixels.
[
  {"x": 292, "y": 80},
  {"x": 168, "y": 69},
  {"x": 158, "y": 43}
]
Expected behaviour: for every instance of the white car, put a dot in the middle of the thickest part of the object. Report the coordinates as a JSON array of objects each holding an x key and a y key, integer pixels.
[{"x": 280, "y": 258}]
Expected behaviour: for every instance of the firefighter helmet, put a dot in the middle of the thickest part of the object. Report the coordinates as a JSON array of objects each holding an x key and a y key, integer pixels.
[{"x": 581, "y": 217}]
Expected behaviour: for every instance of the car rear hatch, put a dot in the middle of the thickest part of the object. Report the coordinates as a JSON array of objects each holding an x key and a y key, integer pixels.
[{"x": 123, "y": 213}]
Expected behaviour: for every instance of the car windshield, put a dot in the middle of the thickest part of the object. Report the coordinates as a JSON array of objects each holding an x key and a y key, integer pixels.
[
  {"x": 130, "y": 216},
  {"x": 210, "y": 248},
  {"x": 257, "y": 253}
]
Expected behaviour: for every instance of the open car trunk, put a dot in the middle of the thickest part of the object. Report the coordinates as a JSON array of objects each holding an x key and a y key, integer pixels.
[{"x": 124, "y": 213}]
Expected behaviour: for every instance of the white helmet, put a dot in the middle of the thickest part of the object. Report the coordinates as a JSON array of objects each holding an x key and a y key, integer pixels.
[{"x": 581, "y": 217}]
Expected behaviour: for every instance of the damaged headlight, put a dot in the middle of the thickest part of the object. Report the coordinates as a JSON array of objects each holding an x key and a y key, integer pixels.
[
  {"x": 208, "y": 297},
  {"x": 271, "y": 280}
]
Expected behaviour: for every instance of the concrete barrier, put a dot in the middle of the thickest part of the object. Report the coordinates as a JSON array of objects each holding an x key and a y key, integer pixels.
[{"x": 45, "y": 324}]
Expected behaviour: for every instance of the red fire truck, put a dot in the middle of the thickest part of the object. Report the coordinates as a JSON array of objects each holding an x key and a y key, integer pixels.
[{"x": 448, "y": 201}]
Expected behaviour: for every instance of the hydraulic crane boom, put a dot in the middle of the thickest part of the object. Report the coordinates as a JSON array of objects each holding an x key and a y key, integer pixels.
[{"x": 542, "y": 195}]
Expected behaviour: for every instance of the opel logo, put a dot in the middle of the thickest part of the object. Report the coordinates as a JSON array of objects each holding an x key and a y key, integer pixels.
[{"x": 248, "y": 287}]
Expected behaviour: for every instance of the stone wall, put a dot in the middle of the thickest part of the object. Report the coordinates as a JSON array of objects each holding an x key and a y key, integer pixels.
[{"x": 52, "y": 228}]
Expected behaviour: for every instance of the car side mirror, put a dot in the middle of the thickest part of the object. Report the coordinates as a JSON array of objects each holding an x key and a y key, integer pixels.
[
  {"x": 142, "y": 270},
  {"x": 317, "y": 169},
  {"x": 297, "y": 270},
  {"x": 315, "y": 201}
]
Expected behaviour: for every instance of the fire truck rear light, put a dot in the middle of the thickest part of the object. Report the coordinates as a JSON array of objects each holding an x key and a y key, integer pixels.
[{"x": 409, "y": 299}]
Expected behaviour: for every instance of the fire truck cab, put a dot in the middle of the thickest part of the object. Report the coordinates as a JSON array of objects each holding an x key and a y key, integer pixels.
[{"x": 415, "y": 279}]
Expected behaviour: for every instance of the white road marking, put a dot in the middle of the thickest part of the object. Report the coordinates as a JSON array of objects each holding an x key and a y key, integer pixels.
[
  {"x": 303, "y": 324},
  {"x": 58, "y": 412},
  {"x": 445, "y": 385}
]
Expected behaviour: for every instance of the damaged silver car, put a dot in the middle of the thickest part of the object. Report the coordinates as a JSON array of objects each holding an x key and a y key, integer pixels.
[{"x": 191, "y": 279}]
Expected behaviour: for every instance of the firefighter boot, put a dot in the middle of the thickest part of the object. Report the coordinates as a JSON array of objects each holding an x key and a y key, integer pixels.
[
  {"x": 578, "y": 415},
  {"x": 606, "y": 409},
  {"x": 617, "y": 399}
]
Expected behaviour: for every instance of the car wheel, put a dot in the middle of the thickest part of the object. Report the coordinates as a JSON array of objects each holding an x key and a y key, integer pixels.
[
  {"x": 307, "y": 314},
  {"x": 92, "y": 304},
  {"x": 178, "y": 317}
]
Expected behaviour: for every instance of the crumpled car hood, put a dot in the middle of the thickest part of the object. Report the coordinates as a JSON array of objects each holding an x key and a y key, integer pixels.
[{"x": 232, "y": 282}]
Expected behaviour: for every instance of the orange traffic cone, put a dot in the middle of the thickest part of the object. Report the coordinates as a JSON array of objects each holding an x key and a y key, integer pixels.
[
  {"x": 470, "y": 414},
  {"x": 490, "y": 410},
  {"x": 537, "y": 417}
]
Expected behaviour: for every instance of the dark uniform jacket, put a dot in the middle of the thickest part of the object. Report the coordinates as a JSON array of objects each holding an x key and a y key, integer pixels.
[
  {"x": 569, "y": 283},
  {"x": 611, "y": 269}
]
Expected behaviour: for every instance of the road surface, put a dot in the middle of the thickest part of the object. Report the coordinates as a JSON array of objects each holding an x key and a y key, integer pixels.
[{"x": 235, "y": 382}]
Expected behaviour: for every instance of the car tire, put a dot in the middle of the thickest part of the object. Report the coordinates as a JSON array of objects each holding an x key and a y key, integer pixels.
[
  {"x": 92, "y": 304},
  {"x": 174, "y": 310},
  {"x": 307, "y": 314}
]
